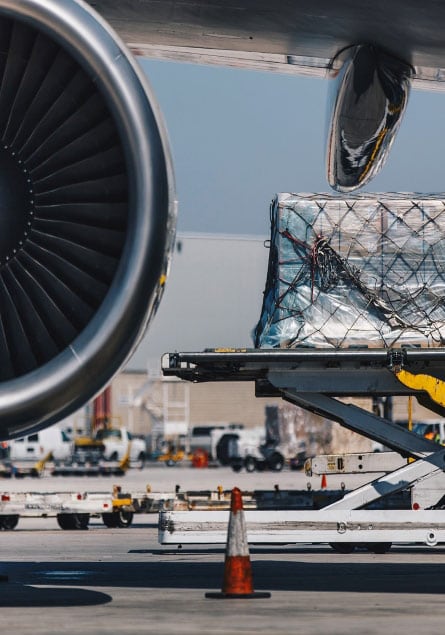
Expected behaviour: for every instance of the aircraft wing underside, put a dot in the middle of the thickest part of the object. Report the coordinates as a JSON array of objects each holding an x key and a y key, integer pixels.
[{"x": 288, "y": 36}]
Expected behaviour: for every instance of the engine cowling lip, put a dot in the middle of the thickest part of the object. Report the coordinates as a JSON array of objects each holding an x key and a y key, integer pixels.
[{"x": 34, "y": 400}]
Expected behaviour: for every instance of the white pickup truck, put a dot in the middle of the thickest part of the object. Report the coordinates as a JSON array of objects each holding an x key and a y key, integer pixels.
[{"x": 116, "y": 442}]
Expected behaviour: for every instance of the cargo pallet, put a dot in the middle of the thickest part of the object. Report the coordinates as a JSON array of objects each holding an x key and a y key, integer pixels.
[{"x": 316, "y": 379}]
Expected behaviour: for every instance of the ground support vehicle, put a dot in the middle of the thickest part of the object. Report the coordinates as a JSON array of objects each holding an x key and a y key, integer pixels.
[
  {"x": 118, "y": 508},
  {"x": 88, "y": 459},
  {"x": 22, "y": 469},
  {"x": 316, "y": 379},
  {"x": 121, "y": 446},
  {"x": 72, "y": 509},
  {"x": 345, "y": 530},
  {"x": 50, "y": 442},
  {"x": 173, "y": 456},
  {"x": 247, "y": 449},
  {"x": 109, "y": 453}
]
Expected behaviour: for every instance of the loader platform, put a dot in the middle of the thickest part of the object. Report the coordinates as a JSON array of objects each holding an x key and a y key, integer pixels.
[{"x": 316, "y": 380}]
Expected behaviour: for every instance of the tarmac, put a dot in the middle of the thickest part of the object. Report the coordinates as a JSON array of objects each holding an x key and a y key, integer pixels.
[{"x": 122, "y": 581}]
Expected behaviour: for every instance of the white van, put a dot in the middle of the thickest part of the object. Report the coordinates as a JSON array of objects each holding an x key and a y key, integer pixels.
[{"x": 37, "y": 446}]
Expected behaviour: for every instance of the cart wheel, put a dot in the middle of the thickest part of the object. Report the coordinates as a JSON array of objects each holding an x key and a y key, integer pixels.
[
  {"x": 170, "y": 463},
  {"x": 81, "y": 521},
  {"x": 250, "y": 464},
  {"x": 110, "y": 519},
  {"x": 124, "y": 519},
  {"x": 379, "y": 547},
  {"x": 236, "y": 468},
  {"x": 343, "y": 547},
  {"x": 276, "y": 462},
  {"x": 9, "y": 522},
  {"x": 118, "y": 519},
  {"x": 73, "y": 521},
  {"x": 141, "y": 460}
]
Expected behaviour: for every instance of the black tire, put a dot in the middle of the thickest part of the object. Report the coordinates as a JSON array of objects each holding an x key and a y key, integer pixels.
[
  {"x": 170, "y": 463},
  {"x": 114, "y": 456},
  {"x": 276, "y": 462},
  {"x": 250, "y": 464},
  {"x": 81, "y": 521},
  {"x": 141, "y": 460},
  {"x": 236, "y": 468},
  {"x": 343, "y": 547},
  {"x": 109, "y": 520},
  {"x": 124, "y": 519},
  {"x": 65, "y": 521},
  {"x": 120, "y": 519},
  {"x": 224, "y": 447},
  {"x": 73, "y": 521},
  {"x": 379, "y": 547},
  {"x": 9, "y": 522}
]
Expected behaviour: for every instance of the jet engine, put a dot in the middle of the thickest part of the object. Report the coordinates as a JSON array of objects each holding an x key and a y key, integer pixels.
[{"x": 87, "y": 209}]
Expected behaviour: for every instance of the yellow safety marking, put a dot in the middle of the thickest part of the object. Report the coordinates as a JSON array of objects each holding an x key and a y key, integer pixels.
[
  {"x": 87, "y": 441},
  {"x": 433, "y": 386},
  {"x": 40, "y": 465},
  {"x": 125, "y": 461},
  {"x": 230, "y": 350},
  {"x": 122, "y": 502},
  {"x": 411, "y": 459}
]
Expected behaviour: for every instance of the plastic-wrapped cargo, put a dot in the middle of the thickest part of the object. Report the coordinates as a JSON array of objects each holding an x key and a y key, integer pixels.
[{"x": 364, "y": 270}]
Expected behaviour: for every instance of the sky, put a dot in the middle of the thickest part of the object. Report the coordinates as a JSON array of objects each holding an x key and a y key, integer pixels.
[{"x": 238, "y": 137}]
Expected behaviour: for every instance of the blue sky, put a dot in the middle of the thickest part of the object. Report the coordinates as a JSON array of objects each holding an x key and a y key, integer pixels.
[{"x": 238, "y": 137}]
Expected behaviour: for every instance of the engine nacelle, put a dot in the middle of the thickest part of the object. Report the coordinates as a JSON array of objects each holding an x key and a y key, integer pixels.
[
  {"x": 371, "y": 95},
  {"x": 87, "y": 209}
]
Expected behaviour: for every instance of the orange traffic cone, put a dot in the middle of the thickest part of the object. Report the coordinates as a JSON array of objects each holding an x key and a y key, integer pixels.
[
  {"x": 324, "y": 482},
  {"x": 237, "y": 582}
]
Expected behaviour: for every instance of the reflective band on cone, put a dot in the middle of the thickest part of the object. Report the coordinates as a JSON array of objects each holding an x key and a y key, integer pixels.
[{"x": 237, "y": 582}]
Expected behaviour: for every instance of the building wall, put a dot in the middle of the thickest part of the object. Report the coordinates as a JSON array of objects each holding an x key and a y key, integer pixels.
[{"x": 136, "y": 400}]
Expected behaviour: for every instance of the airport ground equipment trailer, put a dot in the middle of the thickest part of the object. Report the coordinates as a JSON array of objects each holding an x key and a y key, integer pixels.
[
  {"x": 316, "y": 380},
  {"x": 118, "y": 507},
  {"x": 22, "y": 469},
  {"x": 73, "y": 467},
  {"x": 87, "y": 459},
  {"x": 72, "y": 509}
]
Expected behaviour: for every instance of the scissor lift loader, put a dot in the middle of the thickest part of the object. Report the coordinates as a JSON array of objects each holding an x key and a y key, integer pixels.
[{"x": 317, "y": 379}]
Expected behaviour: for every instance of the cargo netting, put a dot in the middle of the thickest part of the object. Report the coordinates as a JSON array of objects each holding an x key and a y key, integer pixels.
[{"x": 367, "y": 270}]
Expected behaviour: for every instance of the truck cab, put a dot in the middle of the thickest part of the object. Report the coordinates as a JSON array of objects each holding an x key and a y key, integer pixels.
[{"x": 117, "y": 441}]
